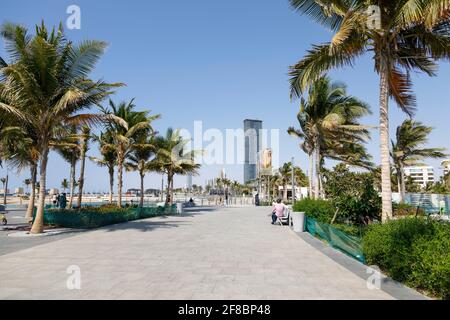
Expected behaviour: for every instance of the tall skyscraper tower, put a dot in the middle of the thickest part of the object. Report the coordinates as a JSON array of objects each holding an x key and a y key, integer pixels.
[
  {"x": 252, "y": 130},
  {"x": 189, "y": 182}
]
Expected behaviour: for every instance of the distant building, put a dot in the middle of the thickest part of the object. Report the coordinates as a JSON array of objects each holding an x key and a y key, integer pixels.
[
  {"x": 152, "y": 192},
  {"x": 252, "y": 132},
  {"x": 421, "y": 175},
  {"x": 189, "y": 182},
  {"x": 133, "y": 192},
  {"x": 446, "y": 166}
]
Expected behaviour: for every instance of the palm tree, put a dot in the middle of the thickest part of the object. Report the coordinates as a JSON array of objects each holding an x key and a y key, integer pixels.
[
  {"x": 328, "y": 121},
  {"x": 171, "y": 158},
  {"x": 138, "y": 160},
  {"x": 408, "y": 150},
  {"x": 48, "y": 78},
  {"x": 235, "y": 187},
  {"x": 21, "y": 152},
  {"x": 84, "y": 146},
  {"x": 301, "y": 179},
  {"x": 64, "y": 185},
  {"x": 125, "y": 135},
  {"x": 410, "y": 36},
  {"x": 108, "y": 159},
  {"x": 285, "y": 178},
  {"x": 69, "y": 149},
  {"x": 307, "y": 146}
]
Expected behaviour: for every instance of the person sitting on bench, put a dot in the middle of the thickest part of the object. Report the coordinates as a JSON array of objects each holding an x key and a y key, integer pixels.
[{"x": 278, "y": 211}]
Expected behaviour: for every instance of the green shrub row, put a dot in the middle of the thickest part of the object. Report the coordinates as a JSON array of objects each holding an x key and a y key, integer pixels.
[
  {"x": 415, "y": 251},
  {"x": 96, "y": 217}
]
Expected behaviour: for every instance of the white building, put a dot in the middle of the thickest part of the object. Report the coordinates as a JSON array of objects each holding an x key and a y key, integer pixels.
[
  {"x": 446, "y": 166},
  {"x": 421, "y": 175}
]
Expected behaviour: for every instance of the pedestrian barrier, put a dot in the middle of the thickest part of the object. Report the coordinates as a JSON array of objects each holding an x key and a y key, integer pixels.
[{"x": 348, "y": 244}]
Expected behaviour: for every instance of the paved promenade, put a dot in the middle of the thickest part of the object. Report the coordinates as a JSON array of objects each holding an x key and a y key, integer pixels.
[{"x": 230, "y": 253}]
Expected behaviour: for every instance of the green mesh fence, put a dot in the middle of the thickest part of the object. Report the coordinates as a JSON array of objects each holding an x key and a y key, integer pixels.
[
  {"x": 338, "y": 239},
  {"x": 90, "y": 219}
]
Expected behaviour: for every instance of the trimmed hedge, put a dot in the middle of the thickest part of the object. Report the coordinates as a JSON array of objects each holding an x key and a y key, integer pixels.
[
  {"x": 415, "y": 251},
  {"x": 319, "y": 210},
  {"x": 96, "y": 217}
]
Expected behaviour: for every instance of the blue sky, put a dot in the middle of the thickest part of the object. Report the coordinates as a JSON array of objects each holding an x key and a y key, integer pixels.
[{"x": 216, "y": 61}]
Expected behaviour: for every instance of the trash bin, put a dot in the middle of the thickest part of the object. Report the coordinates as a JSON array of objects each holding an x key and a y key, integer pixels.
[
  {"x": 180, "y": 208},
  {"x": 298, "y": 221}
]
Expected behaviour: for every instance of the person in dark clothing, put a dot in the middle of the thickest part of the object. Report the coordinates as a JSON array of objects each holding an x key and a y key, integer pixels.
[
  {"x": 257, "y": 200},
  {"x": 62, "y": 201}
]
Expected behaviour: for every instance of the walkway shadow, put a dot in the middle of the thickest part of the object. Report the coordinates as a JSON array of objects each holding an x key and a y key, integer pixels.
[
  {"x": 150, "y": 224},
  {"x": 194, "y": 211},
  {"x": 144, "y": 225}
]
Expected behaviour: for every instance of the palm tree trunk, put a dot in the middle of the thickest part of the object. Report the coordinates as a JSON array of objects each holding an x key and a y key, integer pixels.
[
  {"x": 38, "y": 225},
  {"x": 30, "y": 208},
  {"x": 119, "y": 181},
  {"x": 321, "y": 192},
  {"x": 317, "y": 173},
  {"x": 171, "y": 191},
  {"x": 310, "y": 176},
  {"x": 82, "y": 168},
  {"x": 169, "y": 199},
  {"x": 5, "y": 188},
  {"x": 111, "y": 183},
  {"x": 386, "y": 188},
  {"x": 399, "y": 186},
  {"x": 402, "y": 189},
  {"x": 73, "y": 165},
  {"x": 141, "y": 204},
  {"x": 285, "y": 192}
]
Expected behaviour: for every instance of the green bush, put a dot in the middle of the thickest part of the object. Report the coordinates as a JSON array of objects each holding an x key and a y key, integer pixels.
[
  {"x": 357, "y": 231},
  {"x": 320, "y": 210},
  {"x": 353, "y": 193},
  {"x": 404, "y": 209},
  {"x": 412, "y": 250},
  {"x": 431, "y": 271}
]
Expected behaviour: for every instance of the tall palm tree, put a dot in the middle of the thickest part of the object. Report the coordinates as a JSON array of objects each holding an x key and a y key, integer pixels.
[
  {"x": 408, "y": 149},
  {"x": 84, "y": 147},
  {"x": 328, "y": 120},
  {"x": 21, "y": 152},
  {"x": 69, "y": 149},
  {"x": 108, "y": 159},
  {"x": 411, "y": 35},
  {"x": 48, "y": 80},
  {"x": 126, "y": 135},
  {"x": 304, "y": 133},
  {"x": 171, "y": 158},
  {"x": 138, "y": 160}
]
